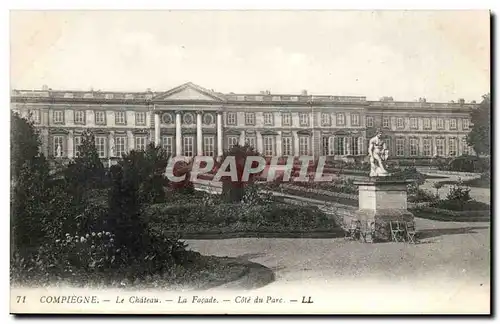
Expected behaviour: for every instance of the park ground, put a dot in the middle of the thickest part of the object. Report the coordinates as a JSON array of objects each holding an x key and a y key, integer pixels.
[{"x": 448, "y": 271}]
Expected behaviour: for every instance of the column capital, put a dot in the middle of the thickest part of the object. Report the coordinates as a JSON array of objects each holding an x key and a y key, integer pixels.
[
  {"x": 178, "y": 112},
  {"x": 199, "y": 112},
  {"x": 219, "y": 112}
]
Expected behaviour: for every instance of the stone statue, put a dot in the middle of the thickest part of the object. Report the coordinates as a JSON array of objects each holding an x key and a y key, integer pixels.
[
  {"x": 58, "y": 151},
  {"x": 378, "y": 152}
]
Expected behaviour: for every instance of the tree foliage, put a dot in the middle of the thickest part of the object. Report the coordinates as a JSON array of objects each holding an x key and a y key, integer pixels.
[
  {"x": 86, "y": 171},
  {"x": 149, "y": 166},
  {"x": 29, "y": 185},
  {"x": 480, "y": 135},
  {"x": 234, "y": 191}
]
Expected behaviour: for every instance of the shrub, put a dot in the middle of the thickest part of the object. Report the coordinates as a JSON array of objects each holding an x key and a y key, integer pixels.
[
  {"x": 468, "y": 163},
  {"x": 234, "y": 216},
  {"x": 459, "y": 192},
  {"x": 421, "y": 195}
]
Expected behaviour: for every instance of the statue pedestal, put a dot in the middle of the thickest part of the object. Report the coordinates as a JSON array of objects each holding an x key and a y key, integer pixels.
[{"x": 381, "y": 200}]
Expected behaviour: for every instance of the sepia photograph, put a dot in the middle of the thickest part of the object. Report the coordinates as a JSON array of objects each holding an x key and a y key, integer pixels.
[{"x": 313, "y": 162}]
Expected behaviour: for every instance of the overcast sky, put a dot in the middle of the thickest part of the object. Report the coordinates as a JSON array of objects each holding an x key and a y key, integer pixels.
[{"x": 438, "y": 55}]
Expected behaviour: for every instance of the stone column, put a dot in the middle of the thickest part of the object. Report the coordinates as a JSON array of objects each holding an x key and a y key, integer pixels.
[
  {"x": 348, "y": 145},
  {"x": 296, "y": 148},
  {"x": 199, "y": 134},
  {"x": 220, "y": 150},
  {"x": 70, "y": 151},
  {"x": 242, "y": 138},
  {"x": 157, "y": 129},
  {"x": 278, "y": 144},
  {"x": 260, "y": 145},
  {"x": 178, "y": 134}
]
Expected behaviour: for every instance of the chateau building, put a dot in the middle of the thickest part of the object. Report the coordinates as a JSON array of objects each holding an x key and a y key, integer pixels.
[{"x": 190, "y": 120}]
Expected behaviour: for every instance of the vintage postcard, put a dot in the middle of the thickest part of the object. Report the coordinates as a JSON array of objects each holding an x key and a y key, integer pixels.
[{"x": 250, "y": 162}]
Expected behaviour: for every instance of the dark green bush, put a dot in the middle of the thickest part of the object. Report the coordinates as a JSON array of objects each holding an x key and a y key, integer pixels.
[{"x": 457, "y": 205}]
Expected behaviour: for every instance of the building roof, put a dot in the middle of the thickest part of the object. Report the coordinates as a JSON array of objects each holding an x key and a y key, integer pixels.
[{"x": 190, "y": 91}]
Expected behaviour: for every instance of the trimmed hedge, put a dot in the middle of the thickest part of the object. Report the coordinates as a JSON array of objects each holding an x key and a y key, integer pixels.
[{"x": 237, "y": 217}]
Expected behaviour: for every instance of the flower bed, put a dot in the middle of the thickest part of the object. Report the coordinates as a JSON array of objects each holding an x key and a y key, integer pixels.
[{"x": 223, "y": 218}]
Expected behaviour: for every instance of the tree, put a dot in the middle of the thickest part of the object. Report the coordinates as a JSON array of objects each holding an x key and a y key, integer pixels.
[
  {"x": 86, "y": 171},
  {"x": 234, "y": 191},
  {"x": 150, "y": 166},
  {"x": 480, "y": 135},
  {"x": 30, "y": 196},
  {"x": 24, "y": 143}
]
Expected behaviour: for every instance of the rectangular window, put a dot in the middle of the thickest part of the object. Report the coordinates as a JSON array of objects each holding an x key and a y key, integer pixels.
[
  {"x": 232, "y": 141},
  {"x": 188, "y": 145},
  {"x": 304, "y": 145},
  {"x": 58, "y": 149},
  {"x": 340, "y": 119},
  {"x": 388, "y": 145},
  {"x": 369, "y": 121},
  {"x": 325, "y": 119},
  {"x": 440, "y": 146},
  {"x": 400, "y": 123},
  {"x": 413, "y": 123},
  {"x": 268, "y": 145},
  {"x": 386, "y": 122},
  {"x": 427, "y": 123},
  {"x": 79, "y": 117},
  {"x": 251, "y": 141},
  {"x": 427, "y": 149},
  {"x": 440, "y": 123},
  {"x": 35, "y": 116},
  {"x": 120, "y": 146},
  {"x": 167, "y": 143},
  {"x": 58, "y": 117},
  {"x": 453, "y": 123},
  {"x": 400, "y": 146},
  {"x": 286, "y": 119},
  {"x": 209, "y": 146},
  {"x": 453, "y": 147},
  {"x": 354, "y": 119},
  {"x": 355, "y": 146},
  {"x": 287, "y": 146},
  {"x": 413, "y": 146},
  {"x": 249, "y": 118},
  {"x": 339, "y": 145},
  {"x": 325, "y": 145},
  {"x": 100, "y": 117},
  {"x": 140, "y": 143},
  {"x": 465, "y": 124},
  {"x": 140, "y": 118},
  {"x": 77, "y": 141},
  {"x": 100, "y": 145},
  {"x": 231, "y": 118},
  {"x": 465, "y": 146},
  {"x": 120, "y": 118},
  {"x": 268, "y": 119},
  {"x": 304, "y": 119}
]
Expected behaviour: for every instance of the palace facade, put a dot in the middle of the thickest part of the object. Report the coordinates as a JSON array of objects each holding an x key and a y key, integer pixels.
[{"x": 190, "y": 120}]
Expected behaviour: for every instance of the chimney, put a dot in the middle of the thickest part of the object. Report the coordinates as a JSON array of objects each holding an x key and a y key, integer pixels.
[
  {"x": 45, "y": 87},
  {"x": 268, "y": 92},
  {"x": 304, "y": 92},
  {"x": 461, "y": 100}
]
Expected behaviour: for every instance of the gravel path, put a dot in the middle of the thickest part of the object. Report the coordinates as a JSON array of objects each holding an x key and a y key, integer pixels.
[{"x": 451, "y": 263}]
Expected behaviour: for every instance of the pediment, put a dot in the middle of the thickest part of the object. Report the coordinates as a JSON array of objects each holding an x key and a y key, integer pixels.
[{"x": 189, "y": 91}]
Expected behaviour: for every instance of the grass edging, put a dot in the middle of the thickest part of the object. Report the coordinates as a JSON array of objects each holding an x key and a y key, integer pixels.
[{"x": 215, "y": 234}]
